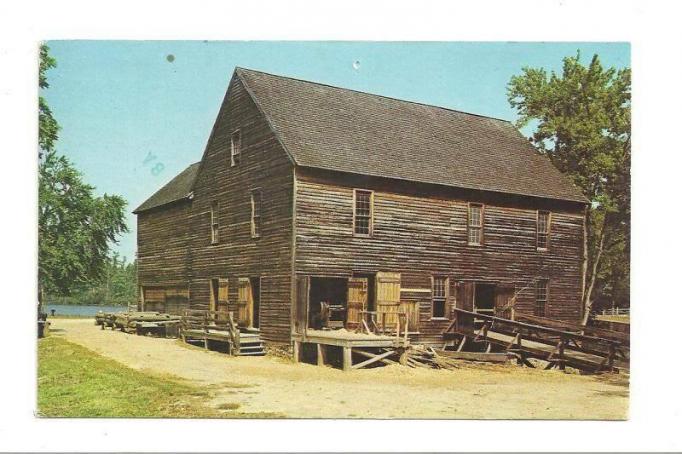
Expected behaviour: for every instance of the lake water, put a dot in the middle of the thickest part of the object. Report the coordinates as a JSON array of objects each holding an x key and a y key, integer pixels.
[{"x": 68, "y": 309}]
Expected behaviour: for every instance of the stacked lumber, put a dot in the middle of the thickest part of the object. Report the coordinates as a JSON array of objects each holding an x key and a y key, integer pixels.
[{"x": 426, "y": 357}]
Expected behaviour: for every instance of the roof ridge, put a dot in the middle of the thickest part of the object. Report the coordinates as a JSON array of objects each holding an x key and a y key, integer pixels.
[{"x": 240, "y": 69}]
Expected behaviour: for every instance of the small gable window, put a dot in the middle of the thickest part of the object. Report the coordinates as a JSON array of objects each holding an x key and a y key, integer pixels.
[
  {"x": 543, "y": 230},
  {"x": 214, "y": 223},
  {"x": 363, "y": 211},
  {"x": 475, "y": 224},
  {"x": 256, "y": 206},
  {"x": 235, "y": 148}
]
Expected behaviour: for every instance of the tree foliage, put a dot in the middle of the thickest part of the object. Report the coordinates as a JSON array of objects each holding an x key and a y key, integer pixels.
[
  {"x": 583, "y": 126},
  {"x": 117, "y": 286},
  {"x": 75, "y": 226}
]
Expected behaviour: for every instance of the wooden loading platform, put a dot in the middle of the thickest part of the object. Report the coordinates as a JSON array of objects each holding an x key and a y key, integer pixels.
[
  {"x": 563, "y": 344},
  {"x": 373, "y": 348}
]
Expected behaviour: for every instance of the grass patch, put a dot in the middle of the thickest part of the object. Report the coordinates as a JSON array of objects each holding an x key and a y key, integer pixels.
[{"x": 76, "y": 382}]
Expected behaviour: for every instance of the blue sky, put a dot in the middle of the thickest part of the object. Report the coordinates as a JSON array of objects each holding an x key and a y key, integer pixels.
[{"x": 125, "y": 107}]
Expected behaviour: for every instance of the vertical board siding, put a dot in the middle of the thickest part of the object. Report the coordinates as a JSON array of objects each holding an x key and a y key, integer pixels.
[{"x": 426, "y": 234}]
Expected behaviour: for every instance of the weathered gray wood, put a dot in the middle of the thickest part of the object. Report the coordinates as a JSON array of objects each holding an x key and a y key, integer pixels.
[
  {"x": 347, "y": 359},
  {"x": 371, "y": 360}
]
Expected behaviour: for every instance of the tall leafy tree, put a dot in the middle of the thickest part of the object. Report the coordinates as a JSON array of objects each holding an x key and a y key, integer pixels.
[
  {"x": 75, "y": 227},
  {"x": 583, "y": 126}
]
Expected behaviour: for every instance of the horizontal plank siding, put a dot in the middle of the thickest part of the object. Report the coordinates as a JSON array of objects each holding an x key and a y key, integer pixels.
[{"x": 422, "y": 232}]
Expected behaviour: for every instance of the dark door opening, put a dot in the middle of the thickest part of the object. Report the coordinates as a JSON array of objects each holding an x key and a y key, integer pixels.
[
  {"x": 255, "y": 293},
  {"x": 331, "y": 290},
  {"x": 484, "y": 298}
]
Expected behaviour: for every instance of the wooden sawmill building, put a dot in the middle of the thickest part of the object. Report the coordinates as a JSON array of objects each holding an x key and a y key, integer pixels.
[{"x": 309, "y": 194}]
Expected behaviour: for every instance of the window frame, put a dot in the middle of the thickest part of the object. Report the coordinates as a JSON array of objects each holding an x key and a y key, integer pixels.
[
  {"x": 235, "y": 148},
  {"x": 444, "y": 298},
  {"x": 543, "y": 302},
  {"x": 215, "y": 222},
  {"x": 256, "y": 224},
  {"x": 548, "y": 227},
  {"x": 479, "y": 227},
  {"x": 370, "y": 218}
]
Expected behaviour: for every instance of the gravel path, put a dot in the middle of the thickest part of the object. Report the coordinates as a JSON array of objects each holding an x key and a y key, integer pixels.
[{"x": 275, "y": 385}]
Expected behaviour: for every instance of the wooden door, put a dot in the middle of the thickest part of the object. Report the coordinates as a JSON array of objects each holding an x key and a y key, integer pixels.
[
  {"x": 301, "y": 307},
  {"x": 465, "y": 300},
  {"x": 503, "y": 297},
  {"x": 245, "y": 302},
  {"x": 388, "y": 298},
  {"x": 222, "y": 301},
  {"x": 357, "y": 300}
]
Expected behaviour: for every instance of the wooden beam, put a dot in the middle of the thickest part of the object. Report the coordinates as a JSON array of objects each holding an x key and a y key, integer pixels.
[
  {"x": 386, "y": 361},
  {"x": 372, "y": 360}
]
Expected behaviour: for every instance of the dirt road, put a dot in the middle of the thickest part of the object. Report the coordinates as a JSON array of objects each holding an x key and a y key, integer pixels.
[{"x": 266, "y": 384}]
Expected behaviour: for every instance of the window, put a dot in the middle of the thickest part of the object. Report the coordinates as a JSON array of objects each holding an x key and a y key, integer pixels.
[
  {"x": 541, "y": 295},
  {"x": 543, "y": 229},
  {"x": 439, "y": 294},
  {"x": 235, "y": 148},
  {"x": 214, "y": 223},
  {"x": 255, "y": 213},
  {"x": 475, "y": 226},
  {"x": 362, "y": 219}
]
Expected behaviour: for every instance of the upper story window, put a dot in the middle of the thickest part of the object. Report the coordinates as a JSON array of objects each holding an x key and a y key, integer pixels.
[
  {"x": 543, "y": 230},
  {"x": 214, "y": 223},
  {"x": 475, "y": 224},
  {"x": 363, "y": 212},
  {"x": 256, "y": 206},
  {"x": 439, "y": 294},
  {"x": 541, "y": 297},
  {"x": 235, "y": 148}
]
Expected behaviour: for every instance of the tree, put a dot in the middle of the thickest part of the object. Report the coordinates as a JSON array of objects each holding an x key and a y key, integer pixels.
[
  {"x": 583, "y": 126},
  {"x": 75, "y": 227}
]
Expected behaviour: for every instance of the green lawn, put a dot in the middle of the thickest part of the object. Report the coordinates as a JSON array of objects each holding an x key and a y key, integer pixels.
[{"x": 76, "y": 382}]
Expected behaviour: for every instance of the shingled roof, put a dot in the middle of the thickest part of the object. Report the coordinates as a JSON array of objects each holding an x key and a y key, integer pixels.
[
  {"x": 178, "y": 188},
  {"x": 338, "y": 129}
]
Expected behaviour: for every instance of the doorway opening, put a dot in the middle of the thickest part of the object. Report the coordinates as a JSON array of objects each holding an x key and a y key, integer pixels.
[
  {"x": 255, "y": 295},
  {"x": 484, "y": 300},
  {"x": 332, "y": 292}
]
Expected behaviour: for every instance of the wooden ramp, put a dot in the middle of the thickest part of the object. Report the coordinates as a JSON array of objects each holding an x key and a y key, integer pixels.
[
  {"x": 559, "y": 347},
  {"x": 219, "y": 328}
]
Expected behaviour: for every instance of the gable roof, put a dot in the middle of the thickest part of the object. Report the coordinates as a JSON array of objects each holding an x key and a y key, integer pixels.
[
  {"x": 178, "y": 188},
  {"x": 332, "y": 128}
]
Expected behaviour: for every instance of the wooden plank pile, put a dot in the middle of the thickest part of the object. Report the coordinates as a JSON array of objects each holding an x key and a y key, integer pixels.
[{"x": 426, "y": 357}]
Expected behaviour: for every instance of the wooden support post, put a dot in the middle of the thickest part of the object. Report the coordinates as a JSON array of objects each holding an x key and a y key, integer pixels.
[
  {"x": 297, "y": 351},
  {"x": 321, "y": 354},
  {"x": 347, "y": 358},
  {"x": 206, "y": 343}
]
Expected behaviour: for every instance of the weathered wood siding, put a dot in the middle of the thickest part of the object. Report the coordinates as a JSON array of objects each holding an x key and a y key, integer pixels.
[
  {"x": 421, "y": 230},
  {"x": 264, "y": 165},
  {"x": 163, "y": 245}
]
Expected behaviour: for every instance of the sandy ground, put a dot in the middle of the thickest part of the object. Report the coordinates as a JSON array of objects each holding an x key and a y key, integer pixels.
[{"x": 269, "y": 384}]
